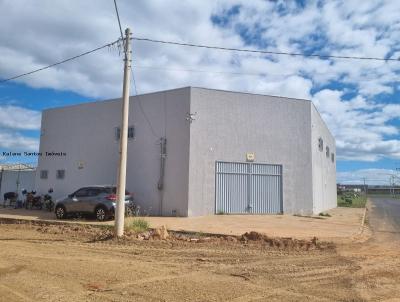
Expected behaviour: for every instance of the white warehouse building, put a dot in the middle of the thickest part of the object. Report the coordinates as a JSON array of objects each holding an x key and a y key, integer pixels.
[{"x": 195, "y": 151}]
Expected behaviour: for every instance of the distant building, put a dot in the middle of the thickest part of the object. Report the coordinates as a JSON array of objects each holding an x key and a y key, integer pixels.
[
  {"x": 370, "y": 189},
  {"x": 195, "y": 151},
  {"x": 351, "y": 188},
  {"x": 15, "y": 178}
]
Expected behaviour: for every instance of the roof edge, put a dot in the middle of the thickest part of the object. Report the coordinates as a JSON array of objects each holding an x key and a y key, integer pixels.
[{"x": 175, "y": 89}]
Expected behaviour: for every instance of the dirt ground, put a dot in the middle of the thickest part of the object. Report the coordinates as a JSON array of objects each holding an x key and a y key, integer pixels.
[
  {"x": 70, "y": 263},
  {"x": 44, "y": 261},
  {"x": 343, "y": 223}
]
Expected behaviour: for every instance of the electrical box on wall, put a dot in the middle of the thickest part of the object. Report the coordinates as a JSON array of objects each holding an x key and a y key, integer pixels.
[
  {"x": 250, "y": 156},
  {"x": 80, "y": 164}
]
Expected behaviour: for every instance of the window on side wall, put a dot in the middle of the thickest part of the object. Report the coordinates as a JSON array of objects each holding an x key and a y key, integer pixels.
[
  {"x": 320, "y": 144},
  {"x": 131, "y": 133},
  {"x": 60, "y": 174},
  {"x": 117, "y": 133},
  {"x": 333, "y": 157},
  {"x": 44, "y": 174},
  {"x": 327, "y": 152}
]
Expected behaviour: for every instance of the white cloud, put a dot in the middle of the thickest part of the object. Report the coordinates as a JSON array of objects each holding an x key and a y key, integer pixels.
[
  {"x": 19, "y": 118},
  {"x": 16, "y": 142},
  {"x": 53, "y": 31},
  {"x": 360, "y": 126}
]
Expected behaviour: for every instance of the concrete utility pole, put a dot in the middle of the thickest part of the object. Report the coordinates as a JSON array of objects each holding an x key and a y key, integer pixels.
[
  {"x": 18, "y": 182},
  {"x": 392, "y": 185},
  {"x": 121, "y": 182},
  {"x": 365, "y": 188},
  {"x": 1, "y": 177}
]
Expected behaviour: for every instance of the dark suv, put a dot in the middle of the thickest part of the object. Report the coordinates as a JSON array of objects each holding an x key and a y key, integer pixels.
[{"x": 97, "y": 200}]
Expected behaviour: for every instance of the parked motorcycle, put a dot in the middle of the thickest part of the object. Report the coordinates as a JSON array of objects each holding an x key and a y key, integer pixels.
[
  {"x": 48, "y": 202},
  {"x": 11, "y": 197},
  {"x": 32, "y": 201},
  {"x": 131, "y": 209}
]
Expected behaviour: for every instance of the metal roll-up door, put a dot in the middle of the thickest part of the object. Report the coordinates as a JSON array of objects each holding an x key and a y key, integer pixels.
[{"x": 253, "y": 188}]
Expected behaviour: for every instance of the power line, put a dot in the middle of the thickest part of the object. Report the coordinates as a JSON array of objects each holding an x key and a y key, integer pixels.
[
  {"x": 263, "y": 51},
  {"x": 119, "y": 21},
  {"x": 190, "y": 69},
  {"x": 193, "y": 45},
  {"x": 120, "y": 27},
  {"x": 61, "y": 62},
  {"x": 198, "y": 46},
  {"x": 237, "y": 73},
  {"x": 133, "y": 81}
]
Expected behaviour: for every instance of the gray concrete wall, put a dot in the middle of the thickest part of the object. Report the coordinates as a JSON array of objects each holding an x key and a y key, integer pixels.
[
  {"x": 9, "y": 182},
  {"x": 227, "y": 125},
  {"x": 323, "y": 169},
  {"x": 166, "y": 112},
  {"x": 86, "y": 133}
]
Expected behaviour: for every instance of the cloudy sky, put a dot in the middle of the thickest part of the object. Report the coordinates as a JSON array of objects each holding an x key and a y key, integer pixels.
[{"x": 358, "y": 99}]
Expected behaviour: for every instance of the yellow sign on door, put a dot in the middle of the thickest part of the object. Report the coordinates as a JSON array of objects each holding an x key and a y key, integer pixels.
[{"x": 250, "y": 156}]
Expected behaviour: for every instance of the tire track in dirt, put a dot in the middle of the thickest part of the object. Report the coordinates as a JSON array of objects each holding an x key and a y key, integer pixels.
[
  {"x": 12, "y": 293},
  {"x": 181, "y": 271}
]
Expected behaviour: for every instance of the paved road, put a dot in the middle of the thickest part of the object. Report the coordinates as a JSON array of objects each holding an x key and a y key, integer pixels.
[{"x": 384, "y": 218}]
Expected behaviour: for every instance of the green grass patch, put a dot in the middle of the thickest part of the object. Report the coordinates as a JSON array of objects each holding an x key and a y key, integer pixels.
[
  {"x": 199, "y": 234},
  {"x": 324, "y": 214},
  {"x": 138, "y": 225},
  {"x": 351, "y": 201}
]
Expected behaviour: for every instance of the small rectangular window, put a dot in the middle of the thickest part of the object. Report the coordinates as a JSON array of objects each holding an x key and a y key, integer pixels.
[
  {"x": 131, "y": 132},
  {"x": 117, "y": 133},
  {"x": 327, "y": 152},
  {"x": 43, "y": 174},
  {"x": 320, "y": 144},
  {"x": 333, "y": 157},
  {"x": 60, "y": 174}
]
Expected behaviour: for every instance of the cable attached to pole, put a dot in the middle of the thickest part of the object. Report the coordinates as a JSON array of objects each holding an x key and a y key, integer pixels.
[
  {"x": 119, "y": 21},
  {"x": 263, "y": 51}
]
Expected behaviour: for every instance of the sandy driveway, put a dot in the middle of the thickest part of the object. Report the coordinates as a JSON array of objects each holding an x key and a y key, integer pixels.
[{"x": 343, "y": 223}]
